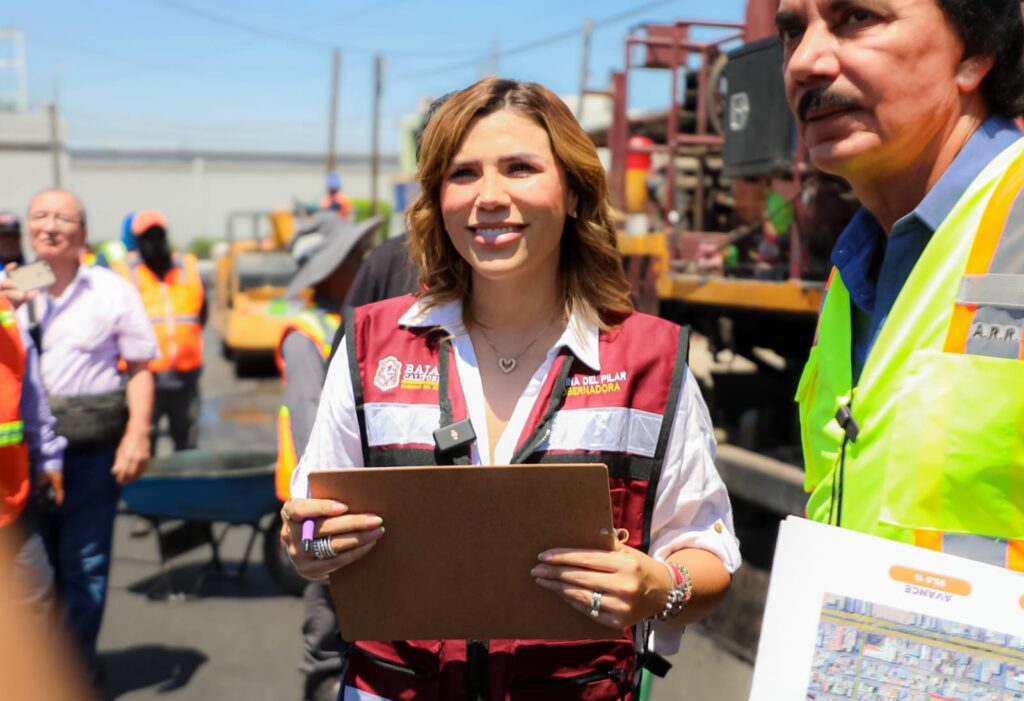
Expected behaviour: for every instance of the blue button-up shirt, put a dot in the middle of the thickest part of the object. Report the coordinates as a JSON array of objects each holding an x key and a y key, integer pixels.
[{"x": 874, "y": 267}]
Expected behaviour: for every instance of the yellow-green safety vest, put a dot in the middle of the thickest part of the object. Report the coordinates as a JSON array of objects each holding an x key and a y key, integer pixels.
[
  {"x": 319, "y": 327},
  {"x": 928, "y": 447}
]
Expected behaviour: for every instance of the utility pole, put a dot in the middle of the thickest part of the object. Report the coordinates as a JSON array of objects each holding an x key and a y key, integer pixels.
[
  {"x": 588, "y": 29},
  {"x": 332, "y": 119},
  {"x": 51, "y": 110},
  {"x": 494, "y": 69},
  {"x": 378, "y": 78}
]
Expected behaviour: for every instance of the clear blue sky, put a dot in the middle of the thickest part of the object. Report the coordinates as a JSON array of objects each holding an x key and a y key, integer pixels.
[{"x": 254, "y": 74}]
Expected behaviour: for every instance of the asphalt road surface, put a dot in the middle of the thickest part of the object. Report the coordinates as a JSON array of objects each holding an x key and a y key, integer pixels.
[{"x": 239, "y": 638}]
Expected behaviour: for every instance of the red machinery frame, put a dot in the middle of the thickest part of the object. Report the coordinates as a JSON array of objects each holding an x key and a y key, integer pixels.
[{"x": 672, "y": 47}]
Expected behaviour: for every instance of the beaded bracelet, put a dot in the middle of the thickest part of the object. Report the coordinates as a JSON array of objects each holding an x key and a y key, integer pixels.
[{"x": 680, "y": 594}]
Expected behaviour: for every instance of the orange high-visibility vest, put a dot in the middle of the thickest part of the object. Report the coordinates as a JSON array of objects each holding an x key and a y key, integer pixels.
[
  {"x": 173, "y": 305},
  {"x": 338, "y": 202},
  {"x": 14, "y": 482}
]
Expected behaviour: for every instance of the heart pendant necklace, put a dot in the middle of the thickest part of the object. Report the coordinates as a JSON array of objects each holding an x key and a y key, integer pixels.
[{"x": 508, "y": 364}]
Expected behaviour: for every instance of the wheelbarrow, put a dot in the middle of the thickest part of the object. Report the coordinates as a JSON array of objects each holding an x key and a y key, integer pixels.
[{"x": 194, "y": 497}]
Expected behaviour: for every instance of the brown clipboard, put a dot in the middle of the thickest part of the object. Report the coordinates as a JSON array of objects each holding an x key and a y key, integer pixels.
[{"x": 458, "y": 547}]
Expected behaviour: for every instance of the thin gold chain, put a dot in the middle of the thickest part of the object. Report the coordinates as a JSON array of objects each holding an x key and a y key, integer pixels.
[{"x": 529, "y": 345}]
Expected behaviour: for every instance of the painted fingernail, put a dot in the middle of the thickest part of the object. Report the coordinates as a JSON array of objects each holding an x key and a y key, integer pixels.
[
  {"x": 377, "y": 532},
  {"x": 339, "y": 508},
  {"x": 374, "y": 521}
]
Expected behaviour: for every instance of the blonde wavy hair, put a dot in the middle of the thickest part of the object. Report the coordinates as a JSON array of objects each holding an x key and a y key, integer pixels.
[{"x": 590, "y": 268}]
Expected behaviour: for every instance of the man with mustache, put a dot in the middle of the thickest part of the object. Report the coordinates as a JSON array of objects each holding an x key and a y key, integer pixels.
[{"x": 912, "y": 400}]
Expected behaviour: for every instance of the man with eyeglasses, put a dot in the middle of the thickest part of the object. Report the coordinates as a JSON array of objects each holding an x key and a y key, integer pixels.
[{"x": 88, "y": 319}]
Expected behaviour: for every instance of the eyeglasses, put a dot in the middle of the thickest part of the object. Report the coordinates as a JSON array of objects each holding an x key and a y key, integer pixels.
[{"x": 58, "y": 217}]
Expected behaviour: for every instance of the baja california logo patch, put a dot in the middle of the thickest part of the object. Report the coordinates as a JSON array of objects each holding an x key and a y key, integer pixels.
[{"x": 389, "y": 370}]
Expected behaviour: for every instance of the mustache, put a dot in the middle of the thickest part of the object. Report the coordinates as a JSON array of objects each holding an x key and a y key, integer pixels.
[{"x": 819, "y": 98}]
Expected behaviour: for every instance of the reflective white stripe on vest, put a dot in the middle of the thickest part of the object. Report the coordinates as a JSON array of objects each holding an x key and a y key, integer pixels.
[
  {"x": 610, "y": 429},
  {"x": 993, "y": 290},
  {"x": 401, "y": 424},
  {"x": 613, "y": 429},
  {"x": 991, "y": 551}
]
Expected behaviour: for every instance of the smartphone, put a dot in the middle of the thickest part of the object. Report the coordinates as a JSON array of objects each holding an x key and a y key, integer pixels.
[{"x": 33, "y": 276}]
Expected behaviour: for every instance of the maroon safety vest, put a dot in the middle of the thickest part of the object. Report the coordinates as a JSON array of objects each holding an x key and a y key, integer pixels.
[{"x": 615, "y": 417}]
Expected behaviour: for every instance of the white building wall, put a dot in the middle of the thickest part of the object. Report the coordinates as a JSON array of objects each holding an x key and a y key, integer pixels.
[
  {"x": 26, "y": 160},
  {"x": 196, "y": 191}
]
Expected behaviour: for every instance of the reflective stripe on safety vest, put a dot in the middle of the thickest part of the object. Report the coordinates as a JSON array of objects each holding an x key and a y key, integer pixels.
[
  {"x": 14, "y": 470},
  {"x": 12, "y": 433},
  {"x": 174, "y": 305},
  {"x": 928, "y": 448},
  {"x": 319, "y": 327}
]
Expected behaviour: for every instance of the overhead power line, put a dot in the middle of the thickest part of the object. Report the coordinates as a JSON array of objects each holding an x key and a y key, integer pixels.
[
  {"x": 306, "y": 42},
  {"x": 136, "y": 63},
  {"x": 536, "y": 43}
]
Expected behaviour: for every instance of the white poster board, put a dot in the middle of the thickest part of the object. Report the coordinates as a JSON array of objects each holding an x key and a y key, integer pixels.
[{"x": 854, "y": 617}]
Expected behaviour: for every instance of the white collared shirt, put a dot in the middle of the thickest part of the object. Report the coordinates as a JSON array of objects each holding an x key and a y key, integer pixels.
[
  {"x": 97, "y": 320},
  {"x": 691, "y": 507}
]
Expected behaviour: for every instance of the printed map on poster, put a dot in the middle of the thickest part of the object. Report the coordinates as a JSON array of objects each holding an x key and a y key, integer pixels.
[
  {"x": 867, "y": 651},
  {"x": 851, "y": 617}
]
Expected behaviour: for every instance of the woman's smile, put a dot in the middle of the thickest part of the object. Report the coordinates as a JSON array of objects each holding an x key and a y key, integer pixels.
[{"x": 491, "y": 235}]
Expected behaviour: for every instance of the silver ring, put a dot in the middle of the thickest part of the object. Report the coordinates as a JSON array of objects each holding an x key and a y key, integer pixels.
[
  {"x": 595, "y": 604},
  {"x": 322, "y": 549}
]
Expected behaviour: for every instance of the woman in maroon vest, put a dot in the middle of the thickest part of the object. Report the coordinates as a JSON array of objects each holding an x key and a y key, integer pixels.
[{"x": 525, "y": 327}]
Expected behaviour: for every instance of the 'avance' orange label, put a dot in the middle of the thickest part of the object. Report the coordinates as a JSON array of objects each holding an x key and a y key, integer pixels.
[{"x": 931, "y": 580}]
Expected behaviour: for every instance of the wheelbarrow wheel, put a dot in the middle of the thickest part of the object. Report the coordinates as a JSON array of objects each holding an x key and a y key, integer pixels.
[{"x": 276, "y": 560}]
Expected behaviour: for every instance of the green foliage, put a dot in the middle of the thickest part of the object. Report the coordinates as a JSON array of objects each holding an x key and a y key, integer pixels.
[
  {"x": 200, "y": 247},
  {"x": 361, "y": 208}
]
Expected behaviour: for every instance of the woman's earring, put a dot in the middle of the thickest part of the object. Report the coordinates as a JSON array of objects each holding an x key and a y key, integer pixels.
[{"x": 572, "y": 214}]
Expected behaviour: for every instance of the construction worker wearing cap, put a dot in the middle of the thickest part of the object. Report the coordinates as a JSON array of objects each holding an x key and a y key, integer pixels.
[
  {"x": 328, "y": 264},
  {"x": 334, "y": 199},
  {"x": 175, "y": 301}
]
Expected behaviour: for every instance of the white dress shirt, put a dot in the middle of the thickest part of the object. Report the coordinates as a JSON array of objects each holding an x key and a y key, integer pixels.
[
  {"x": 691, "y": 508},
  {"x": 97, "y": 320}
]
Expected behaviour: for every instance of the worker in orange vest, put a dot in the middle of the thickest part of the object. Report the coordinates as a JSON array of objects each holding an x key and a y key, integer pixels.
[
  {"x": 31, "y": 457},
  {"x": 175, "y": 301},
  {"x": 334, "y": 199}
]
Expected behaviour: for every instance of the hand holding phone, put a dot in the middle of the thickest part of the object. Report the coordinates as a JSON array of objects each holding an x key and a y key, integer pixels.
[{"x": 34, "y": 276}]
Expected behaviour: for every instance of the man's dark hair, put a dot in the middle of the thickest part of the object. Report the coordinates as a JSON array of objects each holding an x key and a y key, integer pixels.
[{"x": 994, "y": 28}]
